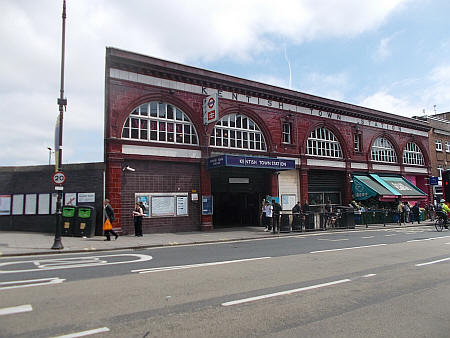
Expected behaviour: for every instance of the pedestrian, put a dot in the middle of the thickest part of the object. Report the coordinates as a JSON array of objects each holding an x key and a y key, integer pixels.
[
  {"x": 296, "y": 217},
  {"x": 138, "y": 213},
  {"x": 276, "y": 216},
  {"x": 263, "y": 215},
  {"x": 269, "y": 209},
  {"x": 401, "y": 213},
  {"x": 407, "y": 209},
  {"x": 107, "y": 225},
  {"x": 416, "y": 212}
]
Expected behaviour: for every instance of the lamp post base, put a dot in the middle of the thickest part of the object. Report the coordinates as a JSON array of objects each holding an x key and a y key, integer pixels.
[{"x": 57, "y": 245}]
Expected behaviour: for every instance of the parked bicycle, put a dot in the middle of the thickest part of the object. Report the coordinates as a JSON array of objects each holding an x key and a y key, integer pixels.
[
  {"x": 332, "y": 220},
  {"x": 440, "y": 222}
]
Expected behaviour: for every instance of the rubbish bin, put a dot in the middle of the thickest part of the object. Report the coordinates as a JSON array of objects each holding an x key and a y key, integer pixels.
[
  {"x": 85, "y": 222},
  {"x": 68, "y": 216},
  {"x": 297, "y": 222},
  {"x": 347, "y": 219},
  {"x": 309, "y": 221},
  {"x": 284, "y": 224}
]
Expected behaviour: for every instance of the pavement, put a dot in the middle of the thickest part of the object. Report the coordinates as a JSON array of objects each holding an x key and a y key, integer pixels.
[{"x": 33, "y": 243}]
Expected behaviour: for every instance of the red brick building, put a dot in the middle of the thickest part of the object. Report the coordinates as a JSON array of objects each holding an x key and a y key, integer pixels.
[{"x": 266, "y": 140}]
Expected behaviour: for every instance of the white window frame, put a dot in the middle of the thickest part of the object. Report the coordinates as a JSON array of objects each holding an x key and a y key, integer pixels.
[
  {"x": 147, "y": 114},
  {"x": 357, "y": 142},
  {"x": 383, "y": 151},
  {"x": 287, "y": 133},
  {"x": 323, "y": 143},
  {"x": 438, "y": 145},
  {"x": 447, "y": 146},
  {"x": 237, "y": 131},
  {"x": 412, "y": 154}
]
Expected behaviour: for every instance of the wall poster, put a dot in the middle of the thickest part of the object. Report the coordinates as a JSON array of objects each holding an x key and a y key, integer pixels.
[
  {"x": 44, "y": 204},
  {"x": 5, "y": 204},
  {"x": 182, "y": 206},
  {"x": 70, "y": 198},
  {"x": 54, "y": 201},
  {"x": 17, "y": 204},
  {"x": 288, "y": 201},
  {"x": 145, "y": 200},
  {"x": 30, "y": 204},
  {"x": 163, "y": 205},
  {"x": 86, "y": 197}
]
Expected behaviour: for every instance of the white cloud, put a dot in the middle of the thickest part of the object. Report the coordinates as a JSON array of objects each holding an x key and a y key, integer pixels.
[{"x": 185, "y": 31}]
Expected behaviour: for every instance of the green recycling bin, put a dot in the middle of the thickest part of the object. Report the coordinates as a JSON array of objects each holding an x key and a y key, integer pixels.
[
  {"x": 85, "y": 225},
  {"x": 68, "y": 216}
]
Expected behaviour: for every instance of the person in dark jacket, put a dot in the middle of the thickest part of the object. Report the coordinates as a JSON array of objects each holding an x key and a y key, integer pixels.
[
  {"x": 109, "y": 215},
  {"x": 138, "y": 213},
  {"x": 276, "y": 216},
  {"x": 416, "y": 212}
]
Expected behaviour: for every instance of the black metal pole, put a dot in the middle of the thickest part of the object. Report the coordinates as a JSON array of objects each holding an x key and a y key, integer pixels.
[{"x": 62, "y": 103}]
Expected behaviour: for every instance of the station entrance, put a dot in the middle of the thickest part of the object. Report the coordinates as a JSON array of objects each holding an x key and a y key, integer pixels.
[{"x": 237, "y": 195}]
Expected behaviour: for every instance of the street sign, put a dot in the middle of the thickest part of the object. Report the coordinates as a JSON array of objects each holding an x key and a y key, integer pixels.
[
  {"x": 210, "y": 109},
  {"x": 434, "y": 180},
  {"x": 58, "y": 178}
]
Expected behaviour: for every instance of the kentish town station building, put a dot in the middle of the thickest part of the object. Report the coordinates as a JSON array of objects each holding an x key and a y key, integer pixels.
[{"x": 202, "y": 149}]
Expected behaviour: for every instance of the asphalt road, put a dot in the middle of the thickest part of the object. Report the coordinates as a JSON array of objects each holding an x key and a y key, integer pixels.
[{"x": 378, "y": 283}]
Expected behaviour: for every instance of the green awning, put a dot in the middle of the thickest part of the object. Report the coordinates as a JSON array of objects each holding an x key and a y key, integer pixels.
[
  {"x": 364, "y": 187},
  {"x": 403, "y": 186}
]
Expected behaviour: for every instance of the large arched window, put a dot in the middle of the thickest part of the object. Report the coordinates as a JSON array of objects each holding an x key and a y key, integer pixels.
[
  {"x": 322, "y": 142},
  {"x": 383, "y": 151},
  {"x": 237, "y": 131},
  {"x": 159, "y": 122},
  {"x": 413, "y": 155}
]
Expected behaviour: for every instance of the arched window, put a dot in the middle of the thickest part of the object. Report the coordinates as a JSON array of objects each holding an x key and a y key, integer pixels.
[
  {"x": 237, "y": 131},
  {"x": 383, "y": 151},
  {"x": 159, "y": 122},
  {"x": 322, "y": 142},
  {"x": 412, "y": 154}
]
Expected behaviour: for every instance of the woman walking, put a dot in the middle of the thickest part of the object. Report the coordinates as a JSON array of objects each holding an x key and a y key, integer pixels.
[
  {"x": 107, "y": 226},
  {"x": 138, "y": 213}
]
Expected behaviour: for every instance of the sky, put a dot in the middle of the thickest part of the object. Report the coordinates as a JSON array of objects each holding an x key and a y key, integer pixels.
[{"x": 390, "y": 55}]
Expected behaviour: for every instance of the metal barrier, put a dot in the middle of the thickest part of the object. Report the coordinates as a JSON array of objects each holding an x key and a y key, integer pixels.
[{"x": 383, "y": 216}]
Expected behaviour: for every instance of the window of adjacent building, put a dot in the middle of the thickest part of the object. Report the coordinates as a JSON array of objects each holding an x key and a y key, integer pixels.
[
  {"x": 159, "y": 122},
  {"x": 447, "y": 146},
  {"x": 440, "y": 169},
  {"x": 383, "y": 151},
  {"x": 322, "y": 142},
  {"x": 287, "y": 132},
  {"x": 412, "y": 154},
  {"x": 237, "y": 131},
  {"x": 438, "y": 145},
  {"x": 357, "y": 142}
]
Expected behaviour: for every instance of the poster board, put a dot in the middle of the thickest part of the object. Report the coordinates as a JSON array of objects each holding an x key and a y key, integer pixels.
[
  {"x": 163, "y": 205},
  {"x": 288, "y": 201},
  {"x": 17, "y": 204},
  {"x": 207, "y": 205},
  {"x": 182, "y": 206},
  {"x": 44, "y": 204},
  {"x": 70, "y": 198},
  {"x": 30, "y": 204},
  {"x": 5, "y": 205},
  {"x": 86, "y": 197}
]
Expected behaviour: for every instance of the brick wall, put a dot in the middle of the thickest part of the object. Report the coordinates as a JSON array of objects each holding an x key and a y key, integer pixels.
[{"x": 80, "y": 178}]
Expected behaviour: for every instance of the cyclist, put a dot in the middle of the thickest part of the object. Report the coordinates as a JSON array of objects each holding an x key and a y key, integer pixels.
[{"x": 444, "y": 210}]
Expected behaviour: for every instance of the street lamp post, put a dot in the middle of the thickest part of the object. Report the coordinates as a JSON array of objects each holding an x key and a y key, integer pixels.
[
  {"x": 49, "y": 155},
  {"x": 62, "y": 103}
]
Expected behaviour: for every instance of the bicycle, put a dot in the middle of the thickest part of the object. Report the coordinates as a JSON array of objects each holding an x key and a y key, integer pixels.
[{"x": 440, "y": 223}]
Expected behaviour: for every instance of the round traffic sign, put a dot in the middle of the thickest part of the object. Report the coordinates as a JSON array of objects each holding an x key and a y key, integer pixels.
[{"x": 58, "y": 177}]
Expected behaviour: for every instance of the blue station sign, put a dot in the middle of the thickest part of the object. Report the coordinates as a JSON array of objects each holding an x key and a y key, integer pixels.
[{"x": 250, "y": 162}]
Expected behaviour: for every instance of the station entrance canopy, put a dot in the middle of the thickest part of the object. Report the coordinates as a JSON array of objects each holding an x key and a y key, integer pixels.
[
  {"x": 387, "y": 188},
  {"x": 250, "y": 162}
]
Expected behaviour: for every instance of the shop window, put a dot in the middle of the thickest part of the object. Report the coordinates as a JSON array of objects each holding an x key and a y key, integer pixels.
[
  {"x": 383, "y": 151},
  {"x": 322, "y": 142},
  {"x": 159, "y": 122},
  {"x": 438, "y": 145},
  {"x": 287, "y": 132},
  {"x": 413, "y": 155},
  {"x": 239, "y": 132},
  {"x": 318, "y": 200}
]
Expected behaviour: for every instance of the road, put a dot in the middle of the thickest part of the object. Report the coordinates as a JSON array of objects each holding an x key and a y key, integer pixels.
[{"x": 378, "y": 283}]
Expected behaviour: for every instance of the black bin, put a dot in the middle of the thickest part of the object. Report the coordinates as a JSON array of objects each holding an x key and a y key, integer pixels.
[
  {"x": 85, "y": 222},
  {"x": 284, "y": 225},
  {"x": 69, "y": 218},
  {"x": 297, "y": 222},
  {"x": 309, "y": 221},
  {"x": 347, "y": 219}
]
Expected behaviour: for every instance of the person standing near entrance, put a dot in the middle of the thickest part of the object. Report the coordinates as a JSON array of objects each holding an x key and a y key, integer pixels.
[
  {"x": 107, "y": 225},
  {"x": 138, "y": 213},
  {"x": 263, "y": 215},
  {"x": 276, "y": 208},
  {"x": 268, "y": 209}
]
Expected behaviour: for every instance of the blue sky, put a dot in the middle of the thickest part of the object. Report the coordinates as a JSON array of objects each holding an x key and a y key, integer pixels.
[{"x": 390, "y": 55}]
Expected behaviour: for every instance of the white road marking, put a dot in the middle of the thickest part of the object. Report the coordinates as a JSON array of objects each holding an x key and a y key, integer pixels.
[
  {"x": 390, "y": 235},
  {"x": 283, "y": 293},
  {"x": 333, "y": 240},
  {"x": 85, "y": 333},
  {"x": 76, "y": 262},
  {"x": 350, "y": 248},
  {"x": 427, "y": 239},
  {"x": 368, "y": 237},
  {"x": 16, "y": 309},
  {"x": 179, "y": 267},
  {"x": 369, "y": 275},
  {"x": 29, "y": 283},
  {"x": 434, "y": 262}
]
